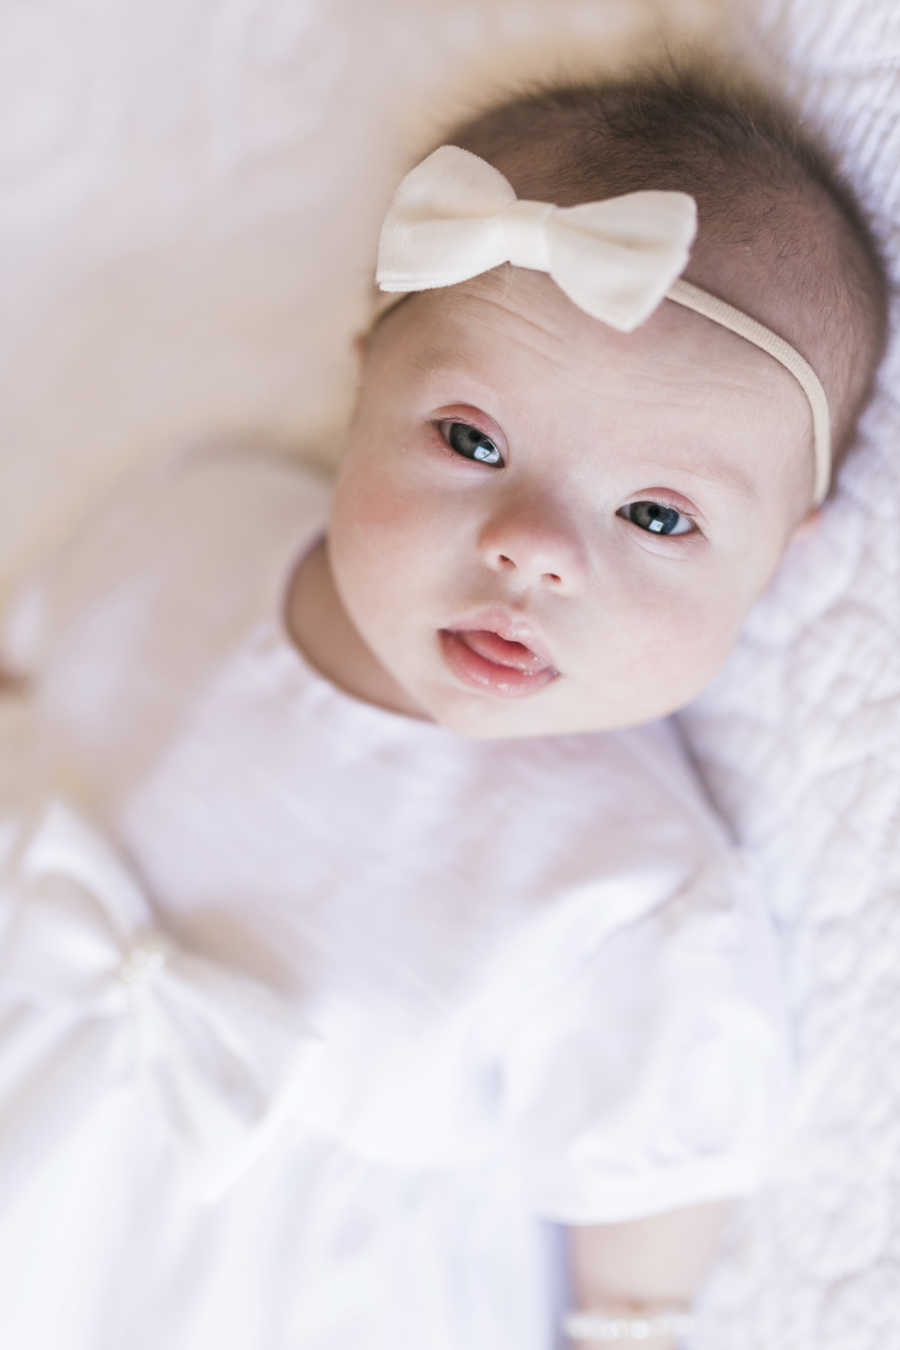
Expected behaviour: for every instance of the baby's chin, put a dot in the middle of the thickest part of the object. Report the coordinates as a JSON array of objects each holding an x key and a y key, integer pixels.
[{"x": 489, "y": 720}]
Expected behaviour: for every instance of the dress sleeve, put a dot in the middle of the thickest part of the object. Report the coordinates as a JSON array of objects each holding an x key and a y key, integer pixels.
[{"x": 655, "y": 1071}]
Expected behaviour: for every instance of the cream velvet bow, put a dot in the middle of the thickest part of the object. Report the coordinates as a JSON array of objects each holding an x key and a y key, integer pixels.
[
  {"x": 97, "y": 1001},
  {"x": 454, "y": 216}
]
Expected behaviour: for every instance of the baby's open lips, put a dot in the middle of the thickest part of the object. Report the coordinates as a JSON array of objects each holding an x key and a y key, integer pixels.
[
  {"x": 504, "y": 637},
  {"x": 497, "y": 652},
  {"x": 503, "y": 652},
  {"x": 484, "y": 661}
]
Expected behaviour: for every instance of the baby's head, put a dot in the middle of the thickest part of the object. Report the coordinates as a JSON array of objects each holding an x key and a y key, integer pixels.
[{"x": 547, "y": 524}]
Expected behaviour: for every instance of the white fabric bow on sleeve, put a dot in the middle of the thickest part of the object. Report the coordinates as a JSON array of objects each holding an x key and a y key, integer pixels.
[
  {"x": 455, "y": 216},
  {"x": 96, "y": 1000}
]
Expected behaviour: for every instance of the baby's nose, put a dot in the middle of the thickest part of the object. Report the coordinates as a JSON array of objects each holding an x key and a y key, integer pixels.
[{"x": 534, "y": 545}]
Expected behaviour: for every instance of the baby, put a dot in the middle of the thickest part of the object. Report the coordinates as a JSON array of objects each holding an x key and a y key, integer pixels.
[
  {"x": 545, "y": 524},
  {"x": 535, "y": 977}
]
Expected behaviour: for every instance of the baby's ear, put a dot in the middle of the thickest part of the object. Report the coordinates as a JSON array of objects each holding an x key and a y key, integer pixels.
[{"x": 809, "y": 522}]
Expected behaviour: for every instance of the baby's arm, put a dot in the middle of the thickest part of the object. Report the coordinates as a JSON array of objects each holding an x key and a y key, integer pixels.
[{"x": 621, "y": 1268}]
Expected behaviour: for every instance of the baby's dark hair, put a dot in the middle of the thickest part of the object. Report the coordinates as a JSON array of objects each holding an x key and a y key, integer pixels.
[{"x": 767, "y": 192}]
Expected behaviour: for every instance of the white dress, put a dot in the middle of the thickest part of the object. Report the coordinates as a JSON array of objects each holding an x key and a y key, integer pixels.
[{"x": 316, "y": 1020}]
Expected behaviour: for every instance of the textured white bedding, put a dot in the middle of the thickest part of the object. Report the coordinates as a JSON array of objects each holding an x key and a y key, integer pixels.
[
  {"x": 192, "y": 196},
  {"x": 800, "y": 744},
  {"x": 799, "y": 741}
]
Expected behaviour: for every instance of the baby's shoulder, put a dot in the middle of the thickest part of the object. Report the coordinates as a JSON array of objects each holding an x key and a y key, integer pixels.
[
  {"x": 644, "y": 776},
  {"x": 619, "y": 818}
]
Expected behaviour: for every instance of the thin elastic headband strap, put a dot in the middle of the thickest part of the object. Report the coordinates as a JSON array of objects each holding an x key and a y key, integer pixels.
[{"x": 692, "y": 297}]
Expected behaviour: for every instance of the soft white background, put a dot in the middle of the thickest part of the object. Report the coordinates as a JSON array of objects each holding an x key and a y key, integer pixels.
[{"x": 191, "y": 197}]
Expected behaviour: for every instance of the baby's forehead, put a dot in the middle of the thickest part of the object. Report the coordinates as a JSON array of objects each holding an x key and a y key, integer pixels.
[
  {"x": 507, "y": 309},
  {"x": 518, "y": 321}
]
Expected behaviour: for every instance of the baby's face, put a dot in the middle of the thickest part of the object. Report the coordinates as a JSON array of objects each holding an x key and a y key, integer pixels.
[{"x": 543, "y": 525}]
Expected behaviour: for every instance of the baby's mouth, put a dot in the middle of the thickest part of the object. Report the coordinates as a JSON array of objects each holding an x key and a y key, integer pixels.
[
  {"x": 491, "y": 664},
  {"x": 501, "y": 651}
]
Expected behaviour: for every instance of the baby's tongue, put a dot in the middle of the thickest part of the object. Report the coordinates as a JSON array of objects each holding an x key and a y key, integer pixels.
[{"x": 495, "y": 648}]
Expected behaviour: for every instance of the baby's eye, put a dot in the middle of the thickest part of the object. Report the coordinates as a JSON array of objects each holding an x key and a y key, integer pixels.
[
  {"x": 469, "y": 442},
  {"x": 657, "y": 518}
]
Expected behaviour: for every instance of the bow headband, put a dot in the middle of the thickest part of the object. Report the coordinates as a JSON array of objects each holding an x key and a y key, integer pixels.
[{"x": 455, "y": 216}]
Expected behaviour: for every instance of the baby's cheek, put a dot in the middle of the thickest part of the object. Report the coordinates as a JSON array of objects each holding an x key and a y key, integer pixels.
[
  {"x": 680, "y": 641},
  {"x": 379, "y": 542},
  {"x": 705, "y": 648},
  {"x": 367, "y": 505}
]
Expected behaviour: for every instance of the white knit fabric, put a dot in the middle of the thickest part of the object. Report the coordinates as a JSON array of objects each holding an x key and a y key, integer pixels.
[{"x": 799, "y": 741}]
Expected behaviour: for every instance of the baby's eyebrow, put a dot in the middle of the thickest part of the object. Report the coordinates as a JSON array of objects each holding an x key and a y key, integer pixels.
[
  {"x": 436, "y": 364},
  {"x": 436, "y": 360},
  {"x": 718, "y": 473}
]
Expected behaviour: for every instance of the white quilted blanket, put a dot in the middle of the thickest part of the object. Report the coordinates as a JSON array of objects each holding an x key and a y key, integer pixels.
[
  {"x": 799, "y": 740},
  {"x": 123, "y": 285}
]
